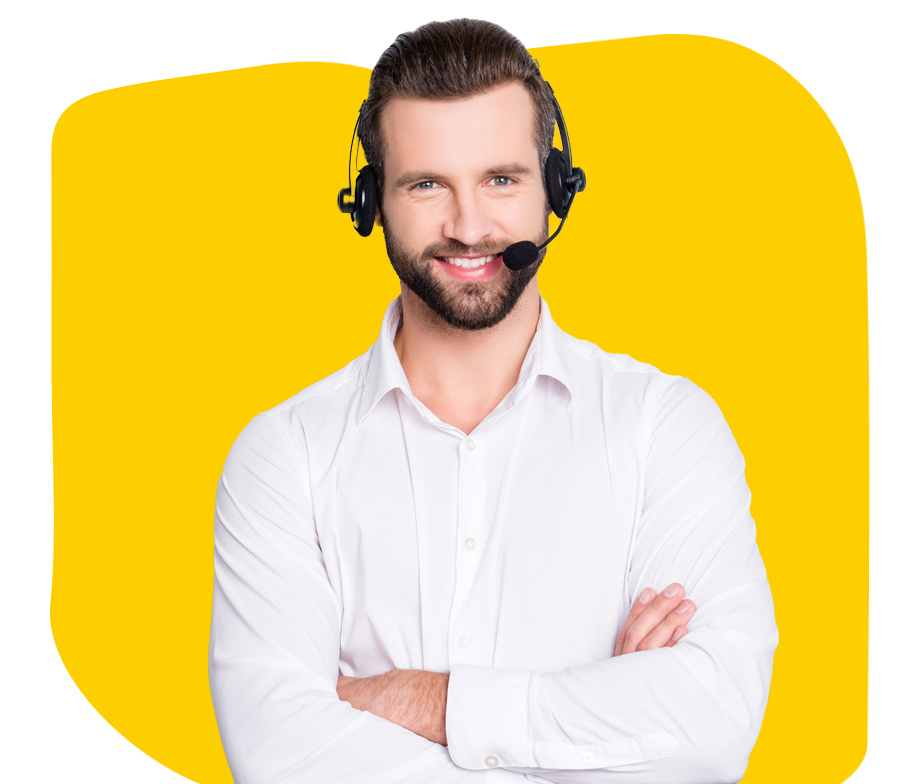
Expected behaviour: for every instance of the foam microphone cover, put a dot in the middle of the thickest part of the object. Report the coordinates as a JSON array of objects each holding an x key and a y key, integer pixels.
[{"x": 520, "y": 255}]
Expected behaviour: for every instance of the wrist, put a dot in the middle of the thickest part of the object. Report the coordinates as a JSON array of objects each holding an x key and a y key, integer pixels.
[{"x": 420, "y": 702}]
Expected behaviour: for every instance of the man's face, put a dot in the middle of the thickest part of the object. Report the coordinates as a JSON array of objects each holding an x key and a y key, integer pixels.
[{"x": 462, "y": 181}]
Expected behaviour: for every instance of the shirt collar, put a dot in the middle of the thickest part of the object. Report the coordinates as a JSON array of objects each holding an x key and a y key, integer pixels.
[{"x": 385, "y": 372}]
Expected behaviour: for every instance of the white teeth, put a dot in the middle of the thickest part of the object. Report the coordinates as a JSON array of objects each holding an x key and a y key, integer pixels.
[{"x": 469, "y": 263}]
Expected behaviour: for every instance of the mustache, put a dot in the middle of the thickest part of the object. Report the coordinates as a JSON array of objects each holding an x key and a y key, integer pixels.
[{"x": 453, "y": 248}]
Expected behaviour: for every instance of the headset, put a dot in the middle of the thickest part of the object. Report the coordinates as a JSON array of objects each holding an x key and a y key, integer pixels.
[{"x": 561, "y": 178}]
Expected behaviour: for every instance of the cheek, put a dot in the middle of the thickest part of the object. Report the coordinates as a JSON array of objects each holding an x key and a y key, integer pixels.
[
  {"x": 536, "y": 212},
  {"x": 406, "y": 225}
]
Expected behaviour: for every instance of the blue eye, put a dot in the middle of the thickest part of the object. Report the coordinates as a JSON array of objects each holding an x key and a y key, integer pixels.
[{"x": 501, "y": 180}]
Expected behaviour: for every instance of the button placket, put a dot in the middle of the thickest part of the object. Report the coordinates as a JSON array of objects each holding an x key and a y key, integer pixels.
[{"x": 465, "y": 617}]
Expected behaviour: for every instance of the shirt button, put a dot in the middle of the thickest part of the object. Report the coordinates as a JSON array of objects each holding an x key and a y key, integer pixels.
[
  {"x": 588, "y": 756},
  {"x": 470, "y": 543},
  {"x": 470, "y": 444},
  {"x": 491, "y": 761},
  {"x": 463, "y": 640}
]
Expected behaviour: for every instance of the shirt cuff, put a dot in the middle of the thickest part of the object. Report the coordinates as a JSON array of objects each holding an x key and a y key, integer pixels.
[
  {"x": 493, "y": 721},
  {"x": 487, "y": 717}
]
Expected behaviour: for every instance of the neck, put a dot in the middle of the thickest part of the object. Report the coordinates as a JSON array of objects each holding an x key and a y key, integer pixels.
[{"x": 461, "y": 375}]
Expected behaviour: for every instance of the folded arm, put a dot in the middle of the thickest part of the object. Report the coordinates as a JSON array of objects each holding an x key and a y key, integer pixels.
[
  {"x": 274, "y": 648},
  {"x": 417, "y": 699},
  {"x": 688, "y": 713}
]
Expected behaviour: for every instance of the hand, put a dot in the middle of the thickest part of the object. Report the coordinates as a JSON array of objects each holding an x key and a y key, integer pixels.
[
  {"x": 414, "y": 699},
  {"x": 655, "y": 621}
]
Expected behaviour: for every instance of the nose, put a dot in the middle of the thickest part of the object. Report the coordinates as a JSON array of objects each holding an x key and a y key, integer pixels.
[{"x": 469, "y": 220}]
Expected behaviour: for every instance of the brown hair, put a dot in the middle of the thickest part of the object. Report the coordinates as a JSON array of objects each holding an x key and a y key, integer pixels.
[{"x": 456, "y": 59}]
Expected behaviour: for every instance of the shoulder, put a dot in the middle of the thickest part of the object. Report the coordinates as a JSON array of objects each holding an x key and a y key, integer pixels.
[
  {"x": 333, "y": 391},
  {"x": 323, "y": 408},
  {"x": 586, "y": 352},
  {"x": 618, "y": 375},
  {"x": 329, "y": 402},
  {"x": 630, "y": 389}
]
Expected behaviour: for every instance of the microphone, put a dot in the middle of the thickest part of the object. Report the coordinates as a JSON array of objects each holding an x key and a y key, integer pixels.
[{"x": 519, "y": 255}]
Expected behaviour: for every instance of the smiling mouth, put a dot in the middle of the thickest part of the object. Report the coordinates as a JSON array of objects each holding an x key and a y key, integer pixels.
[{"x": 466, "y": 262}]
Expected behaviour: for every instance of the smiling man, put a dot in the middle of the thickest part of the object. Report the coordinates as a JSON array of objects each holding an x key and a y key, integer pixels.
[
  {"x": 439, "y": 563},
  {"x": 465, "y": 181}
]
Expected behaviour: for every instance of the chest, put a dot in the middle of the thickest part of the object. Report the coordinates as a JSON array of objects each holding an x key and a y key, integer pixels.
[{"x": 507, "y": 547}]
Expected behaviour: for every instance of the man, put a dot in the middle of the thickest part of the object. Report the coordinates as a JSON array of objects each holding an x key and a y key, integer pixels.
[{"x": 436, "y": 565}]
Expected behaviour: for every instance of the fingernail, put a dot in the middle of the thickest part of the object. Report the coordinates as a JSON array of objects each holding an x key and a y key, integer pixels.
[
  {"x": 672, "y": 590},
  {"x": 646, "y": 596},
  {"x": 683, "y": 607},
  {"x": 678, "y": 633}
]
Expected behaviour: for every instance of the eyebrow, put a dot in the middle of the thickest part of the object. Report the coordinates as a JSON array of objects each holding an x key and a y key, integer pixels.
[{"x": 424, "y": 176}]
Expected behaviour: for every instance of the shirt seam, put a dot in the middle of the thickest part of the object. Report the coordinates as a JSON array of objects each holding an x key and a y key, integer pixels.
[
  {"x": 304, "y": 465},
  {"x": 661, "y": 383}
]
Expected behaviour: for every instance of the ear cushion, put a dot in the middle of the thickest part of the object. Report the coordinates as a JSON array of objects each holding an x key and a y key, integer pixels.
[
  {"x": 365, "y": 201},
  {"x": 555, "y": 173}
]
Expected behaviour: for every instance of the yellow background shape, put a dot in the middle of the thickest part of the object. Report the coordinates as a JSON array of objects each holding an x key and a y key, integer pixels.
[{"x": 201, "y": 274}]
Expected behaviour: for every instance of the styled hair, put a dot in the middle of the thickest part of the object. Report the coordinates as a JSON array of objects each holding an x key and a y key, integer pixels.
[{"x": 448, "y": 60}]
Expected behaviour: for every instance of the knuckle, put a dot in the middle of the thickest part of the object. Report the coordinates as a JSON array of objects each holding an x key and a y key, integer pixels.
[{"x": 662, "y": 602}]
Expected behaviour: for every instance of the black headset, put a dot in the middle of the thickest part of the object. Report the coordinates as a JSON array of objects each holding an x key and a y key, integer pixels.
[{"x": 562, "y": 181}]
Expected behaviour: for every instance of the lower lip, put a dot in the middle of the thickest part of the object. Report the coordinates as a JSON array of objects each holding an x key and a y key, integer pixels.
[{"x": 484, "y": 272}]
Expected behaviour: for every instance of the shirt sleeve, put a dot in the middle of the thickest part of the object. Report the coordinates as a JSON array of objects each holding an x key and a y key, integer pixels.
[
  {"x": 690, "y": 713},
  {"x": 274, "y": 646}
]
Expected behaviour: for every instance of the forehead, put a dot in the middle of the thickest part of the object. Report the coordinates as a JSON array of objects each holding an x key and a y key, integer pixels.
[{"x": 481, "y": 131}]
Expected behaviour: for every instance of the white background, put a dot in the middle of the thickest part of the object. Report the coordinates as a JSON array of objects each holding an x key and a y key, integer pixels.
[{"x": 859, "y": 61}]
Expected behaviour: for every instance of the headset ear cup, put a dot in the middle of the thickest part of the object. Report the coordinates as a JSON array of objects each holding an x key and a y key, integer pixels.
[
  {"x": 554, "y": 174},
  {"x": 365, "y": 201}
]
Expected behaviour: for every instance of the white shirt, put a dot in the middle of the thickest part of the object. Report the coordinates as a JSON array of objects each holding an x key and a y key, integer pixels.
[{"x": 356, "y": 533}]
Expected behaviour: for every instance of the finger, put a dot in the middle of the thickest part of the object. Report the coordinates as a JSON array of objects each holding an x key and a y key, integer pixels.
[
  {"x": 635, "y": 611},
  {"x": 653, "y": 614},
  {"x": 663, "y": 633},
  {"x": 679, "y": 632}
]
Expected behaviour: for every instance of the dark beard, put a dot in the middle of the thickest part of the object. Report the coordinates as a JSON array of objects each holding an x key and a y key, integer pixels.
[{"x": 469, "y": 305}]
